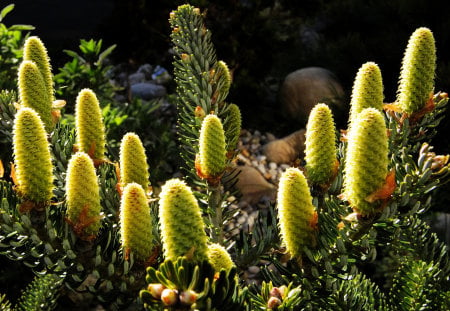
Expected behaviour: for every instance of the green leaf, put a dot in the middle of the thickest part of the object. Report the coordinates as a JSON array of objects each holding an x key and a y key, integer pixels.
[
  {"x": 104, "y": 54},
  {"x": 5, "y": 11},
  {"x": 20, "y": 27}
]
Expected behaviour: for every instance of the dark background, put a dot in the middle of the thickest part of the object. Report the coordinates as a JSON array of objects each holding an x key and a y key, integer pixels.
[{"x": 262, "y": 41}]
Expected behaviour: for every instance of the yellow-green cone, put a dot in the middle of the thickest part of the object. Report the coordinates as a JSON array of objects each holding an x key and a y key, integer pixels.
[
  {"x": 367, "y": 90},
  {"x": 297, "y": 217},
  {"x": 219, "y": 258},
  {"x": 366, "y": 164},
  {"x": 320, "y": 145},
  {"x": 135, "y": 222},
  {"x": 221, "y": 80},
  {"x": 35, "y": 51},
  {"x": 89, "y": 125},
  {"x": 83, "y": 196},
  {"x": 212, "y": 153},
  {"x": 232, "y": 127},
  {"x": 418, "y": 71},
  {"x": 33, "y": 93},
  {"x": 133, "y": 161},
  {"x": 33, "y": 165},
  {"x": 181, "y": 223}
]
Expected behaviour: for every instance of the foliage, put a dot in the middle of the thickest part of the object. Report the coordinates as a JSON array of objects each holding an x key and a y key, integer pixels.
[
  {"x": 381, "y": 258},
  {"x": 88, "y": 69},
  {"x": 11, "y": 42}
]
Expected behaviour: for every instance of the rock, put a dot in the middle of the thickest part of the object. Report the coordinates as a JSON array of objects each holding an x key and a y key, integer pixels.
[
  {"x": 252, "y": 185},
  {"x": 146, "y": 70},
  {"x": 287, "y": 149},
  {"x": 304, "y": 88},
  {"x": 161, "y": 75},
  {"x": 147, "y": 91},
  {"x": 135, "y": 78}
]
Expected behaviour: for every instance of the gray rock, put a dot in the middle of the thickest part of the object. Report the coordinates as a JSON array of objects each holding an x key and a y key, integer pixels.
[
  {"x": 147, "y": 91},
  {"x": 147, "y": 70},
  {"x": 161, "y": 75},
  {"x": 135, "y": 78},
  {"x": 304, "y": 88}
]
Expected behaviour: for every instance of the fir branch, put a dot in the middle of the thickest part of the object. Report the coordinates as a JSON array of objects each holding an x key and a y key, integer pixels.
[
  {"x": 41, "y": 294},
  {"x": 5, "y": 304},
  {"x": 415, "y": 287}
]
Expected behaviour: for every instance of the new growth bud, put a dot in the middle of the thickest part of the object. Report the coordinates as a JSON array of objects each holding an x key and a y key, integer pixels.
[
  {"x": 135, "y": 222},
  {"x": 418, "y": 71},
  {"x": 296, "y": 213},
  {"x": 89, "y": 125},
  {"x": 181, "y": 223},
  {"x": 33, "y": 93},
  {"x": 133, "y": 161},
  {"x": 219, "y": 258},
  {"x": 83, "y": 197},
  {"x": 33, "y": 165},
  {"x": 367, "y": 90},
  {"x": 366, "y": 165},
  {"x": 320, "y": 145},
  {"x": 211, "y": 160}
]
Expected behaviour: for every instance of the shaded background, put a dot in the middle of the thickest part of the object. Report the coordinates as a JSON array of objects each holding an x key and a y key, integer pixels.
[{"x": 261, "y": 41}]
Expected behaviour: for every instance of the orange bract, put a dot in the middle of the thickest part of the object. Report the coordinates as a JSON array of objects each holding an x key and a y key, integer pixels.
[
  {"x": 82, "y": 223},
  {"x": 385, "y": 192},
  {"x": 313, "y": 222}
]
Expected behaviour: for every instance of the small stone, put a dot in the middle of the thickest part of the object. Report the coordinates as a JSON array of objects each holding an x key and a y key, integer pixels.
[
  {"x": 245, "y": 153},
  {"x": 261, "y": 158},
  {"x": 147, "y": 91},
  {"x": 262, "y": 168},
  {"x": 136, "y": 78},
  {"x": 146, "y": 70}
]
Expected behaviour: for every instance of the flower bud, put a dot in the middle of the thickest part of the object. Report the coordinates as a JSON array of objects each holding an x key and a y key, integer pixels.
[
  {"x": 188, "y": 297},
  {"x": 273, "y": 303},
  {"x": 169, "y": 297},
  {"x": 156, "y": 290}
]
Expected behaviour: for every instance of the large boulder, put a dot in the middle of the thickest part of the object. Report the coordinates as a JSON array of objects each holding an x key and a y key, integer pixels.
[{"x": 304, "y": 88}]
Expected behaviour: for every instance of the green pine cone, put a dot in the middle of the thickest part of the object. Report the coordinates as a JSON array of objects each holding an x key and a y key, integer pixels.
[
  {"x": 367, "y": 90},
  {"x": 181, "y": 223},
  {"x": 219, "y": 257},
  {"x": 232, "y": 127},
  {"x": 33, "y": 92},
  {"x": 135, "y": 222},
  {"x": 34, "y": 169},
  {"x": 418, "y": 71},
  {"x": 297, "y": 217},
  {"x": 83, "y": 196},
  {"x": 212, "y": 153},
  {"x": 89, "y": 125},
  {"x": 366, "y": 165},
  {"x": 320, "y": 145},
  {"x": 35, "y": 51},
  {"x": 221, "y": 80},
  {"x": 133, "y": 161}
]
